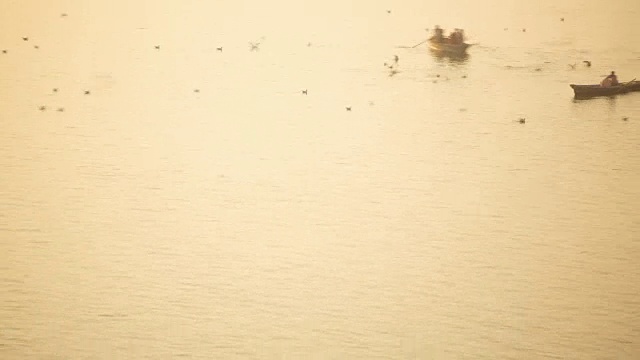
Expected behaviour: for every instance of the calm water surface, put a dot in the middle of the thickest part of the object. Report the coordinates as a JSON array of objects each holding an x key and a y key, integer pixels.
[{"x": 247, "y": 220}]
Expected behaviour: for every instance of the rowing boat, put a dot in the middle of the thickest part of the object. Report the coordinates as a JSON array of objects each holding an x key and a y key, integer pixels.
[
  {"x": 589, "y": 91},
  {"x": 441, "y": 47}
]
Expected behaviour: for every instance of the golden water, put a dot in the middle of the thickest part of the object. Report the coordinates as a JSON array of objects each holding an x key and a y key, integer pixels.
[{"x": 247, "y": 220}]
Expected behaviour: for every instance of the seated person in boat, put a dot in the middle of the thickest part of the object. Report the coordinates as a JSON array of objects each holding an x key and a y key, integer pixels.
[
  {"x": 453, "y": 37},
  {"x": 439, "y": 34},
  {"x": 456, "y": 37},
  {"x": 611, "y": 80}
]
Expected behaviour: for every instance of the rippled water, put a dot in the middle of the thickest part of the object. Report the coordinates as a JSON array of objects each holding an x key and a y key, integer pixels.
[{"x": 196, "y": 204}]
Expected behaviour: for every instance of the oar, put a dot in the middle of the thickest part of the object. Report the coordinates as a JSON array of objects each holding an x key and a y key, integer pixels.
[
  {"x": 420, "y": 43},
  {"x": 411, "y": 47}
]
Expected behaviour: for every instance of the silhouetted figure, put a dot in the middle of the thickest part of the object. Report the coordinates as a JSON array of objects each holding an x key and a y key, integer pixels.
[
  {"x": 521, "y": 120},
  {"x": 587, "y": 63},
  {"x": 396, "y": 58},
  {"x": 157, "y": 47},
  {"x": 438, "y": 34},
  {"x": 348, "y": 108},
  {"x": 304, "y": 92},
  {"x": 87, "y": 92},
  {"x": 219, "y": 49},
  {"x": 610, "y": 80}
]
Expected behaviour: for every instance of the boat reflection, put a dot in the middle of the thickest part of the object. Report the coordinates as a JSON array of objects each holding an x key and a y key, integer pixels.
[{"x": 453, "y": 58}]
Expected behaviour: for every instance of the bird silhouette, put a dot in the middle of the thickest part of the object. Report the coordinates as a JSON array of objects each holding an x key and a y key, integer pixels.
[
  {"x": 60, "y": 109},
  {"x": 55, "y": 90},
  {"x": 572, "y": 66},
  {"x": 304, "y": 92},
  {"x": 625, "y": 118},
  {"x": 388, "y": 11},
  {"x": 42, "y": 108},
  {"x": 254, "y": 46},
  {"x": 4, "y": 51},
  {"x": 348, "y": 108},
  {"x": 587, "y": 63},
  {"x": 561, "y": 19},
  {"x": 464, "y": 76},
  {"x": 219, "y": 49},
  {"x": 522, "y": 120},
  {"x": 392, "y": 72},
  {"x": 63, "y": 15},
  {"x": 524, "y": 30},
  {"x": 157, "y": 47},
  {"x": 36, "y": 47},
  {"x": 196, "y": 90},
  {"x": 25, "y": 38},
  {"x": 87, "y": 92}
]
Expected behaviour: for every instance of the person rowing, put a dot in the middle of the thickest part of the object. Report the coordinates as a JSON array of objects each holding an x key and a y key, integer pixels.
[
  {"x": 610, "y": 80},
  {"x": 439, "y": 34}
]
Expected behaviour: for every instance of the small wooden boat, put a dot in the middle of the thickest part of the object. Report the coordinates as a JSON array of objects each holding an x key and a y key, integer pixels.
[
  {"x": 445, "y": 48},
  {"x": 589, "y": 91}
]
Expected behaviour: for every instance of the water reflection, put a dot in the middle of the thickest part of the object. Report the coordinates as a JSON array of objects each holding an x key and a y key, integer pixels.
[{"x": 441, "y": 57}]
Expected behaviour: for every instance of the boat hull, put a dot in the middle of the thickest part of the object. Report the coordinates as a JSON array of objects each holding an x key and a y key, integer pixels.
[
  {"x": 589, "y": 91},
  {"x": 444, "y": 48}
]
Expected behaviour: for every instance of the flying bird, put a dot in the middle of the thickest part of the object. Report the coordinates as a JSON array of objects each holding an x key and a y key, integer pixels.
[
  {"x": 25, "y": 38},
  {"x": 87, "y": 92},
  {"x": 304, "y": 92},
  {"x": 254, "y": 46},
  {"x": 219, "y": 49},
  {"x": 157, "y": 47},
  {"x": 522, "y": 120},
  {"x": 587, "y": 63},
  {"x": 348, "y": 108}
]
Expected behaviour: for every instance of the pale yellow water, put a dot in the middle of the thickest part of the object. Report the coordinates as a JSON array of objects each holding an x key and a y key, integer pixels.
[{"x": 248, "y": 220}]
